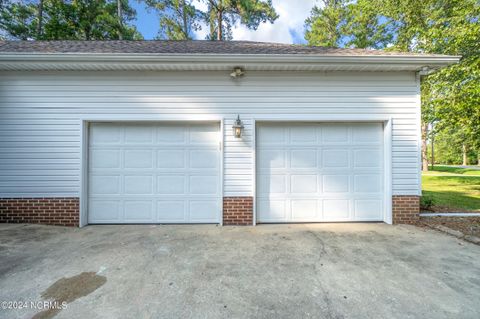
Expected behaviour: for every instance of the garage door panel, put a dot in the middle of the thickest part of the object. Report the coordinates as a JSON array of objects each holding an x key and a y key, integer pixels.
[
  {"x": 138, "y": 185},
  {"x": 171, "y": 211},
  {"x": 272, "y": 184},
  {"x": 171, "y": 184},
  {"x": 336, "y": 209},
  {"x": 203, "y": 185},
  {"x": 368, "y": 209},
  {"x": 320, "y": 172},
  {"x": 336, "y": 158},
  {"x": 104, "y": 159},
  {"x": 203, "y": 210},
  {"x": 304, "y": 135},
  {"x": 372, "y": 183},
  {"x": 271, "y": 136},
  {"x": 167, "y": 173},
  {"x": 272, "y": 158},
  {"x": 170, "y": 134},
  {"x": 104, "y": 210},
  {"x": 368, "y": 133},
  {"x": 335, "y": 134},
  {"x": 139, "y": 135},
  {"x": 303, "y": 158},
  {"x": 138, "y": 159},
  {"x": 104, "y": 184},
  {"x": 105, "y": 134},
  {"x": 204, "y": 159},
  {"x": 367, "y": 158},
  {"x": 167, "y": 159},
  {"x": 274, "y": 209},
  {"x": 336, "y": 183},
  {"x": 137, "y": 210},
  {"x": 304, "y": 209},
  {"x": 303, "y": 184},
  {"x": 204, "y": 135}
]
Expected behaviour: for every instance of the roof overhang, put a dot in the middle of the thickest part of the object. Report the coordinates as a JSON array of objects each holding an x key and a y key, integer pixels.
[{"x": 218, "y": 62}]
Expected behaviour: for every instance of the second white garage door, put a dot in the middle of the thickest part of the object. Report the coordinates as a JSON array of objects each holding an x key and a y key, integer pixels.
[
  {"x": 320, "y": 172},
  {"x": 154, "y": 173}
]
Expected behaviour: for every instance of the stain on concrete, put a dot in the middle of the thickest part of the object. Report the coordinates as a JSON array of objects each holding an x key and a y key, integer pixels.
[{"x": 66, "y": 290}]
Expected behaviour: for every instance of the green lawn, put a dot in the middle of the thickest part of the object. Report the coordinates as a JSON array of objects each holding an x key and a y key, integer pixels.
[
  {"x": 455, "y": 188},
  {"x": 440, "y": 169}
]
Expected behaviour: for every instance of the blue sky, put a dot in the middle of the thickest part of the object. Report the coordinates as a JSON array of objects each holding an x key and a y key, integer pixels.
[{"x": 288, "y": 28}]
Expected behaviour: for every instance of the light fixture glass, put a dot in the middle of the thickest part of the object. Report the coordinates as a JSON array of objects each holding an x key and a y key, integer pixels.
[{"x": 237, "y": 127}]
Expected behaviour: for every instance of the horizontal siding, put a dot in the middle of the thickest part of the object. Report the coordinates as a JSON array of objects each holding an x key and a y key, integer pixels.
[{"x": 40, "y": 117}]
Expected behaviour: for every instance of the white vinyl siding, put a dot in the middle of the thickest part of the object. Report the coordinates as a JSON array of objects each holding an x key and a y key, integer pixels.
[{"x": 41, "y": 113}]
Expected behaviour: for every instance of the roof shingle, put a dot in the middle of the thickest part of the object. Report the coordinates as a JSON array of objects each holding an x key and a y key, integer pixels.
[{"x": 183, "y": 47}]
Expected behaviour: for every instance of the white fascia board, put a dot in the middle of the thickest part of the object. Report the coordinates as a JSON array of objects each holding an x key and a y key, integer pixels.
[{"x": 92, "y": 61}]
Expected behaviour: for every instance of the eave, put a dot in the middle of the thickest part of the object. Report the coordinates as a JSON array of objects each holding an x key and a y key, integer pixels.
[{"x": 220, "y": 62}]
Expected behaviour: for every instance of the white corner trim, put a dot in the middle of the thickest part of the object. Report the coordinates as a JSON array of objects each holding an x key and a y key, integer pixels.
[
  {"x": 418, "y": 113},
  {"x": 387, "y": 154},
  {"x": 83, "y": 208},
  {"x": 254, "y": 170},
  {"x": 222, "y": 168}
]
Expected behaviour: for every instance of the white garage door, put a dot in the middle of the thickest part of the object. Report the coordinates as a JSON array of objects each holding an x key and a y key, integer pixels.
[
  {"x": 154, "y": 173},
  {"x": 320, "y": 172}
]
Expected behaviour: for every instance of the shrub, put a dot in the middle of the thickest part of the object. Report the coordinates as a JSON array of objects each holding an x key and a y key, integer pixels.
[{"x": 426, "y": 202}]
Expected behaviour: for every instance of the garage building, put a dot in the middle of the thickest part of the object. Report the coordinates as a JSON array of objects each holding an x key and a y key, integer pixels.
[{"x": 234, "y": 133}]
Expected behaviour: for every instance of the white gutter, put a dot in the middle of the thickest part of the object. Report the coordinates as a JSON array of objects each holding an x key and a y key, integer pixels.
[{"x": 11, "y": 61}]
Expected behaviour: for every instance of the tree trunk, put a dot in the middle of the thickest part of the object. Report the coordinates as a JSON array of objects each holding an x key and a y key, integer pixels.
[
  {"x": 464, "y": 151},
  {"x": 40, "y": 20},
  {"x": 211, "y": 19},
  {"x": 219, "y": 25},
  {"x": 432, "y": 141},
  {"x": 120, "y": 22},
  {"x": 186, "y": 32},
  {"x": 478, "y": 157},
  {"x": 424, "y": 147}
]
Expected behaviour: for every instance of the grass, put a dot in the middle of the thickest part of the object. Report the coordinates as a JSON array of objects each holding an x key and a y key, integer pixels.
[
  {"x": 451, "y": 188},
  {"x": 439, "y": 169}
]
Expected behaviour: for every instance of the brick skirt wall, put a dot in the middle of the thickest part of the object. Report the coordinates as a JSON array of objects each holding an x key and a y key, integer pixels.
[
  {"x": 405, "y": 209},
  {"x": 238, "y": 211},
  {"x": 64, "y": 211}
]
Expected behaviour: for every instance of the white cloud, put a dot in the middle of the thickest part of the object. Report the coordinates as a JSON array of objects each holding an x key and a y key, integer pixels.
[{"x": 292, "y": 15}]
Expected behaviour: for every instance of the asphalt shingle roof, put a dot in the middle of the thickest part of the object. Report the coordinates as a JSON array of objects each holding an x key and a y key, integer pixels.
[{"x": 182, "y": 47}]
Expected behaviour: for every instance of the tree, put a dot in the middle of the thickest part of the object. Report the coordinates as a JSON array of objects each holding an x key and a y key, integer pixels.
[
  {"x": 178, "y": 18},
  {"x": 323, "y": 27},
  {"x": 18, "y": 20},
  {"x": 68, "y": 20},
  {"x": 449, "y": 147},
  {"x": 222, "y": 15},
  {"x": 364, "y": 27}
]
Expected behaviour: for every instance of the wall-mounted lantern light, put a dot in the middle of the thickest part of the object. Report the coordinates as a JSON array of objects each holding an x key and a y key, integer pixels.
[{"x": 237, "y": 127}]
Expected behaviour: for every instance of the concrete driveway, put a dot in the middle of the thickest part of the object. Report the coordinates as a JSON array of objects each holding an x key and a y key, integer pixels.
[{"x": 268, "y": 271}]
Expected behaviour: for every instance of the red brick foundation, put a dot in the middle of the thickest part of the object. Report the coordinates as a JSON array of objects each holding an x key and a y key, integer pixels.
[
  {"x": 405, "y": 209},
  {"x": 61, "y": 211},
  {"x": 238, "y": 211},
  {"x": 65, "y": 211}
]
